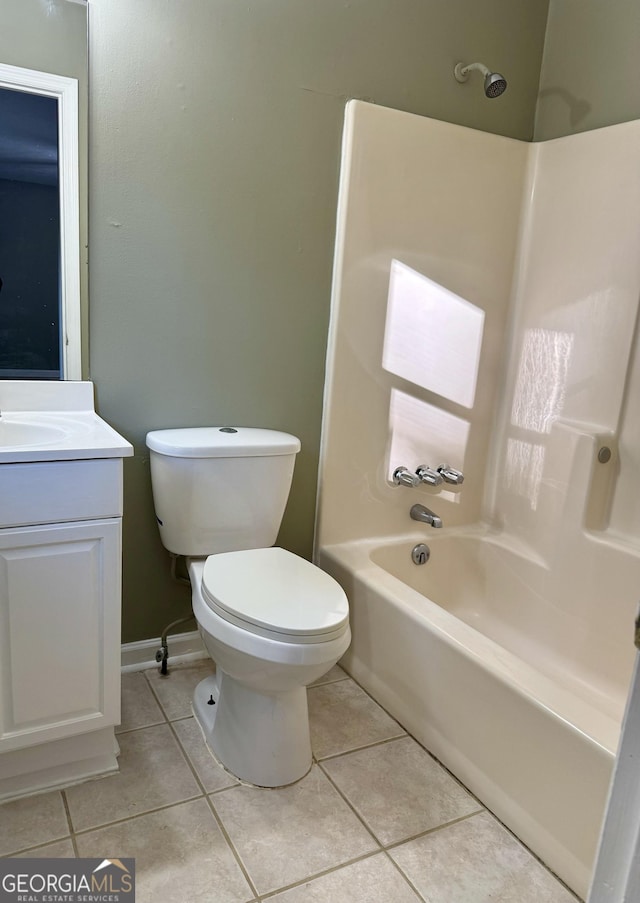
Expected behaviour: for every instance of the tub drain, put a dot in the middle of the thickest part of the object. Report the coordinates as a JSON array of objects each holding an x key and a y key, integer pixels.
[{"x": 420, "y": 553}]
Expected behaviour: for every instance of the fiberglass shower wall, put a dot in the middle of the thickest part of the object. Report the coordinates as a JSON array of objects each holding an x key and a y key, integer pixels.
[{"x": 437, "y": 222}]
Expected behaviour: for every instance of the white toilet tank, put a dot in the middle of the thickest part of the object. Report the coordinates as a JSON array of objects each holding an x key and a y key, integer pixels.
[{"x": 220, "y": 489}]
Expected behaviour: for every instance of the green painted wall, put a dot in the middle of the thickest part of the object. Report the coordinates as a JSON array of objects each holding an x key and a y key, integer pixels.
[
  {"x": 215, "y": 134},
  {"x": 51, "y": 37},
  {"x": 215, "y": 131},
  {"x": 589, "y": 75}
]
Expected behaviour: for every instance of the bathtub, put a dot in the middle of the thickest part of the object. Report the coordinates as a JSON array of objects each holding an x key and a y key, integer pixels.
[{"x": 502, "y": 681}]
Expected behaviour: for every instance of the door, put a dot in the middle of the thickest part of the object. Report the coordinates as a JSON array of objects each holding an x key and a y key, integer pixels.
[{"x": 616, "y": 877}]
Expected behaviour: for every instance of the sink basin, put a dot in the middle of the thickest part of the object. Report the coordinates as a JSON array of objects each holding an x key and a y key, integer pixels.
[
  {"x": 54, "y": 420},
  {"x": 57, "y": 436},
  {"x": 25, "y": 434}
]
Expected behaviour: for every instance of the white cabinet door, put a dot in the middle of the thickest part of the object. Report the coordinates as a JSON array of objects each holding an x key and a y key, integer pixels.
[{"x": 59, "y": 630}]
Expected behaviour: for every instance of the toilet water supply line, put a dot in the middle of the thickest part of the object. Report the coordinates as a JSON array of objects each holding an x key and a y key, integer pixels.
[{"x": 162, "y": 655}]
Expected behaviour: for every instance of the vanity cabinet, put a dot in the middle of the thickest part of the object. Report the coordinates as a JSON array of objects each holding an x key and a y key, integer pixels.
[
  {"x": 60, "y": 577},
  {"x": 60, "y": 574}
]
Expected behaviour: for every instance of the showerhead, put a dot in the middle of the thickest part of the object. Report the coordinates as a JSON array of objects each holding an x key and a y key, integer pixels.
[{"x": 494, "y": 83}]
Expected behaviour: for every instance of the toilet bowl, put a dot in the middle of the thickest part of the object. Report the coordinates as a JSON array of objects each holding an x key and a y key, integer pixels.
[
  {"x": 253, "y": 713},
  {"x": 271, "y": 621}
]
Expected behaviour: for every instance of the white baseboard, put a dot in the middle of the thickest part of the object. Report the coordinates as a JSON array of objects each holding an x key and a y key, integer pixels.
[{"x": 183, "y": 647}]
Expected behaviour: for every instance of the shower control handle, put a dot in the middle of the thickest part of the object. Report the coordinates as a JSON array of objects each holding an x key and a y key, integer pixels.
[
  {"x": 428, "y": 475},
  {"x": 451, "y": 475},
  {"x": 402, "y": 476}
]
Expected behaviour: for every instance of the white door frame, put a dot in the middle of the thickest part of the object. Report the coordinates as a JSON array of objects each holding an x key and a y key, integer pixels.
[{"x": 616, "y": 878}]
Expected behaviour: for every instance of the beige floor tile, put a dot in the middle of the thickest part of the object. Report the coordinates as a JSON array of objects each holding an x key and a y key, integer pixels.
[
  {"x": 372, "y": 880},
  {"x": 336, "y": 673},
  {"x": 474, "y": 861},
  {"x": 32, "y": 820},
  {"x": 176, "y": 689},
  {"x": 286, "y": 835},
  {"x": 343, "y": 717},
  {"x": 153, "y": 773},
  {"x": 139, "y": 706},
  {"x": 399, "y": 789},
  {"x": 210, "y": 772},
  {"x": 62, "y": 849},
  {"x": 181, "y": 856}
]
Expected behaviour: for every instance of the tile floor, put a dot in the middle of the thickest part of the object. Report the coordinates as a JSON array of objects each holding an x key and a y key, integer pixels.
[{"x": 376, "y": 818}]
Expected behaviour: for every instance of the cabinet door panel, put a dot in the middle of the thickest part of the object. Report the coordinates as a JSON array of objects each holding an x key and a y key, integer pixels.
[{"x": 59, "y": 612}]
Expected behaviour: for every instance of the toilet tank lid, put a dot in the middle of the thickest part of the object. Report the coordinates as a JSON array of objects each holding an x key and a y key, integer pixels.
[{"x": 221, "y": 442}]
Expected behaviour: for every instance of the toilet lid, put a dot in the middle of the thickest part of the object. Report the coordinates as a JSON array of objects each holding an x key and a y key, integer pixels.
[{"x": 275, "y": 593}]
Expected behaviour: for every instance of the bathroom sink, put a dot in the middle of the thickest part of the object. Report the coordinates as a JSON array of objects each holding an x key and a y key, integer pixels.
[
  {"x": 21, "y": 434},
  {"x": 54, "y": 421}
]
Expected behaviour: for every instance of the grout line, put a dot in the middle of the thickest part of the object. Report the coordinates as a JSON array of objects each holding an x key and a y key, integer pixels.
[
  {"x": 347, "y": 752},
  {"x": 218, "y": 820},
  {"x": 434, "y": 830},
  {"x": 120, "y": 821},
  {"x": 268, "y": 895},
  {"x": 67, "y": 811},
  {"x": 406, "y": 877},
  {"x": 186, "y": 758},
  {"x": 326, "y": 683},
  {"x": 231, "y": 845},
  {"x": 348, "y": 802},
  {"x": 140, "y": 727},
  {"x": 228, "y": 787},
  {"x": 156, "y": 697},
  {"x": 39, "y": 846}
]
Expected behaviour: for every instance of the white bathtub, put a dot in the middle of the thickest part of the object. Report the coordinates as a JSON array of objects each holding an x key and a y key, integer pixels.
[{"x": 516, "y": 693}]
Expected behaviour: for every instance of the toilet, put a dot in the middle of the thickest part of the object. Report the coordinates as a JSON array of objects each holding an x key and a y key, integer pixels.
[{"x": 271, "y": 621}]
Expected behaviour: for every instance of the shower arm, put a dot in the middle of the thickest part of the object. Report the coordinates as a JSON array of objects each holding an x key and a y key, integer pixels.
[{"x": 461, "y": 71}]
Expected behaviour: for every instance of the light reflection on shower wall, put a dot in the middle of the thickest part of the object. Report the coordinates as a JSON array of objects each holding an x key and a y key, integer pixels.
[
  {"x": 432, "y": 336},
  {"x": 541, "y": 386},
  {"x": 538, "y": 400}
]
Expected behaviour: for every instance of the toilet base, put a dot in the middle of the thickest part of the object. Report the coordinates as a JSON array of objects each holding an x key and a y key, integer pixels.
[{"x": 261, "y": 738}]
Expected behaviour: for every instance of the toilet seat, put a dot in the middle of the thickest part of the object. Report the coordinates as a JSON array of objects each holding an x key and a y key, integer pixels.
[{"x": 274, "y": 593}]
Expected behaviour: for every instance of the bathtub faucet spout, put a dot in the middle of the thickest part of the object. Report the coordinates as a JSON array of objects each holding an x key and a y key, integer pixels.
[{"x": 425, "y": 516}]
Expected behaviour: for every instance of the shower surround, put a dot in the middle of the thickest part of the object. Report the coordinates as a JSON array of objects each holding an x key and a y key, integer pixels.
[{"x": 484, "y": 315}]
